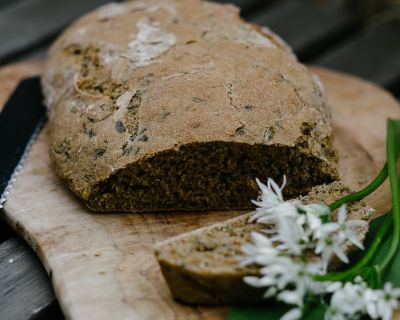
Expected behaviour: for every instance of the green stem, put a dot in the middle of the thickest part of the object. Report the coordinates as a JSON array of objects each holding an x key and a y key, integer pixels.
[
  {"x": 393, "y": 130},
  {"x": 392, "y": 148},
  {"x": 369, "y": 255},
  {"x": 364, "y": 192}
]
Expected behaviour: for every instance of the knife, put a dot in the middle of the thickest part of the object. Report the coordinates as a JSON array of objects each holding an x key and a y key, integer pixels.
[{"x": 20, "y": 122}]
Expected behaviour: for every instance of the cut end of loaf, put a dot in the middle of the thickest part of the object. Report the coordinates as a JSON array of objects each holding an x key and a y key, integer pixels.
[
  {"x": 207, "y": 176},
  {"x": 202, "y": 267}
]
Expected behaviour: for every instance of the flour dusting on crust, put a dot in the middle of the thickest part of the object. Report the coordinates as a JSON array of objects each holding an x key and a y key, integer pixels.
[
  {"x": 249, "y": 36},
  {"x": 111, "y": 10},
  {"x": 123, "y": 100},
  {"x": 317, "y": 80},
  {"x": 150, "y": 42}
]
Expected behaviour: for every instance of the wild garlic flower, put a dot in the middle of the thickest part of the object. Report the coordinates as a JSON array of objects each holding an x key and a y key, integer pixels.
[
  {"x": 293, "y": 314},
  {"x": 387, "y": 302},
  {"x": 347, "y": 228},
  {"x": 271, "y": 194},
  {"x": 286, "y": 278},
  {"x": 346, "y": 301},
  {"x": 298, "y": 226},
  {"x": 270, "y": 197},
  {"x": 286, "y": 271},
  {"x": 353, "y": 300},
  {"x": 312, "y": 215},
  {"x": 290, "y": 236},
  {"x": 332, "y": 236},
  {"x": 261, "y": 252}
]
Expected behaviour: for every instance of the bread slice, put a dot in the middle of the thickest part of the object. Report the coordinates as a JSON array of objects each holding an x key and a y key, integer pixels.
[
  {"x": 202, "y": 267},
  {"x": 179, "y": 105}
]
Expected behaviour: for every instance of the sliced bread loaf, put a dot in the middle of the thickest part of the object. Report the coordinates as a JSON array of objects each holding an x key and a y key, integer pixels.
[
  {"x": 179, "y": 105},
  {"x": 202, "y": 267}
]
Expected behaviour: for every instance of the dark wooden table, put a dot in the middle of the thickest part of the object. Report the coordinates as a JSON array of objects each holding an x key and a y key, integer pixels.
[{"x": 325, "y": 33}]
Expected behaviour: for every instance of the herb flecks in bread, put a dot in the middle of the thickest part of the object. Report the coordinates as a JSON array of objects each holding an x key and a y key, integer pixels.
[
  {"x": 179, "y": 105},
  {"x": 203, "y": 266}
]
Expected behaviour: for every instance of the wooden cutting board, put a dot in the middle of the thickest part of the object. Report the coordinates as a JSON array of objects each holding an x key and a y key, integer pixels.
[{"x": 102, "y": 266}]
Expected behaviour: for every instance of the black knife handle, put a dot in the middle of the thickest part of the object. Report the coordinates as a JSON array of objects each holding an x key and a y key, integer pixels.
[{"x": 21, "y": 117}]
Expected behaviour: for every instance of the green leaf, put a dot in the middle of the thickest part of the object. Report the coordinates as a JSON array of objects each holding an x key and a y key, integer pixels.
[
  {"x": 382, "y": 251},
  {"x": 391, "y": 273},
  {"x": 315, "y": 312},
  {"x": 373, "y": 230}
]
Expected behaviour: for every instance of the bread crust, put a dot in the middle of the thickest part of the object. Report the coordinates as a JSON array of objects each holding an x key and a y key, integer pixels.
[{"x": 132, "y": 81}]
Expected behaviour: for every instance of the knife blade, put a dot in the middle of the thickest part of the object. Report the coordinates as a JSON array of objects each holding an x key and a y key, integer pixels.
[{"x": 20, "y": 122}]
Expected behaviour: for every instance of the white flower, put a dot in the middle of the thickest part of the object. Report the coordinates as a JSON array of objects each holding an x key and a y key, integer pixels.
[
  {"x": 312, "y": 215},
  {"x": 352, "y": 300},
  {"x": 284, "y": 210},
  {"x": 347, "y": 302},
  {"x": 273, "y": 210},
  {"x": 332, "y": 314},
  {"x": 290, "y": 234},
  {"x": 371, "y": 298},
  {"x": 288, "y": 279},
  {"x": 388, "y": 301},
  {"x": 260, "y": 252},
  {"x": 347, "y": 227},
  {"x": 333, "y": 286},
  {"x": 329, "y": 244},
  {"x": 270, "y": 197},
  {"x": 317, "y": 209},
  {"x": 295, "y": 229},
  {"x": 331, "y": 237},
  {"x": 282, "y": 273},
  {"x": 271, "y": 194},
  {"x": 293, "y": 314}
]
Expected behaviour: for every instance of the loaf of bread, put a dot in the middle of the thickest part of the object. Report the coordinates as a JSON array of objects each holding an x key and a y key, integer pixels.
[
  {"x": 180, "y": 105},
  {"x": 202, "y": 266}
]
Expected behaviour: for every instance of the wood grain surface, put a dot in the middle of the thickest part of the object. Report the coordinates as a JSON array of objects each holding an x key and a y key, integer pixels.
[{"x": 102, "y": 265}]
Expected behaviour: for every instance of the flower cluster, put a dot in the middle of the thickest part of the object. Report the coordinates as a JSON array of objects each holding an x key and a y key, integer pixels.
[
  {"x": 287, "y": 278},
  {"x": 352, "y": 300},
  {"x": 297, "y": 246},
  {"x": 298, "y": 227}
]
